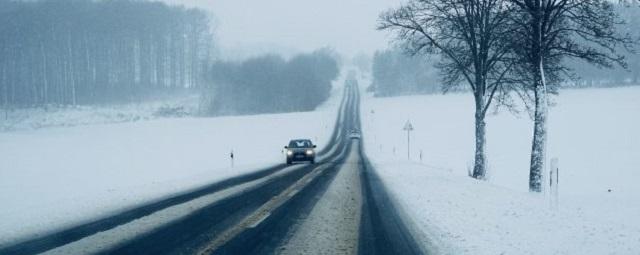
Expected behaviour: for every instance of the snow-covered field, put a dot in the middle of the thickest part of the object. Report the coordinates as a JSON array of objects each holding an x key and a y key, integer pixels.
[
  {"x": 595, "y": 133},
  {"x": 56, "y": 177},
  {"x": 68, "y": 116}
]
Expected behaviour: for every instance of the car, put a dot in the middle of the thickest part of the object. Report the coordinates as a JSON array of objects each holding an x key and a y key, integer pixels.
[
  {"x": 354, "y": 134},
  {"x": 300, "y": 150}
]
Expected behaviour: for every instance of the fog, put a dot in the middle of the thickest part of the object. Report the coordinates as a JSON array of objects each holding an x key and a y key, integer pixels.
[
  {"x": 251, "y": 27},
  {"x": 164, "y": 126}
]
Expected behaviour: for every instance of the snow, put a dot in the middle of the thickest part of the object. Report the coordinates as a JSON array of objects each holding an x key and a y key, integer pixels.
[
  {"x": 593, "y": 133},
  {"x": 53, "y": 178},
  {"x": 68, "y": 116}
]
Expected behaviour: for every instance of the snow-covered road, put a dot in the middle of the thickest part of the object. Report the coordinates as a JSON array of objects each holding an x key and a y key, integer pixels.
[
  {"x": 55, "y": 178},
  {"x": 329, "y": 207},
  {"x": 332, "y": 227}
]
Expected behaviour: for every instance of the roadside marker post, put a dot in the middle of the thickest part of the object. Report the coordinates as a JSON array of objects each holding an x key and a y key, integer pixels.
[
  {"x": 408, "y": 127},
  {"x": 231, "y": 157},
  {"x": 554, "y": 174}
]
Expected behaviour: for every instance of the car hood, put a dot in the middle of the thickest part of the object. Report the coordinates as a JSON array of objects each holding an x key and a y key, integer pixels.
[{"x": 300, "y": 149}]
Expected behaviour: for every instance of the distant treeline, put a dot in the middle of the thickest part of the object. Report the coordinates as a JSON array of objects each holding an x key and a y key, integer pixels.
[
  {"x": 395, "y": 73},
  {"x": 270, "y": 84},
  {"x": 68, "y": 52},
  {"x": 591, "y": 76}
]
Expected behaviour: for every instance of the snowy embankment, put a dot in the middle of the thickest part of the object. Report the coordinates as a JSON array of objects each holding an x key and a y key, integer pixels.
[
  {"x": 594, "y": 133},
  {"x": 57, "y": 177}
]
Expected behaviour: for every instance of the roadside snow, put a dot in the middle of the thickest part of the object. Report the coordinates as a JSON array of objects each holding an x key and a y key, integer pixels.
[
  {"x": 593, "y": 132},
  {"x": 58, "y": 177}
]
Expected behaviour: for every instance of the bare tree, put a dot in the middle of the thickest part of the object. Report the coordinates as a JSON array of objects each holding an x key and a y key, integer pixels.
[
  {"x": 550, "y": 30},
  {"x": 469, "y": 36}
]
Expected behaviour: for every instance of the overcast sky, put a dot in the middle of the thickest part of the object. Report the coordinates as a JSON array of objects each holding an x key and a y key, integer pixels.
[{"x": 297, "y": 25}]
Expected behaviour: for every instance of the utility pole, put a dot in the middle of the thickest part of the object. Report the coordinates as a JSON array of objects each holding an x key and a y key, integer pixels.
[{"x": 408, "y": 127}]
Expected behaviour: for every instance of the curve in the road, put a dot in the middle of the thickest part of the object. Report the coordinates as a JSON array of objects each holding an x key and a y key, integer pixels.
[
  {"x": 265, "y": 217},
  {"x": 69, "y": 235},
  {"x": 191, "y": 234},
  {"x": 381, "y": 228}
]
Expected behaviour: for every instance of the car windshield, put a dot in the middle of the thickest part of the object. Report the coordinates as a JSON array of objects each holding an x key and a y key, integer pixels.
[{"x": 300, "y": 144}]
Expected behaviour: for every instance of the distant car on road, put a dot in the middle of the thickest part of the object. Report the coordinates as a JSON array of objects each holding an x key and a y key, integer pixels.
[
  {"x": 354, "y": 134},
  {"x": 301, "y": 150}
]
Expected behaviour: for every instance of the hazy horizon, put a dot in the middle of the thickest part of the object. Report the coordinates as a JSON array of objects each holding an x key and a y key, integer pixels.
[{"x": 245, "y": 27}]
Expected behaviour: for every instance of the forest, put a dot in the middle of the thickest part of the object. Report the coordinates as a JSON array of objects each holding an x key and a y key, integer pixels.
[
  {"x": 395, "y": 73},
  {"x": 77, "y": 52},
  {"x": 298, "y": 84}
]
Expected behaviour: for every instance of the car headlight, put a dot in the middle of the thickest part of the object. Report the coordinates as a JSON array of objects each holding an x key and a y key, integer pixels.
[
  {"x": 289, "y": 152},
  {"x": 309, "y": 152}
]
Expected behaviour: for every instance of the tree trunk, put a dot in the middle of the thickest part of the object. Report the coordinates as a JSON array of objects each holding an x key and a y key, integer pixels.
[
  {"x": 479, "y": 169},
  {"x": 74, "y": 100},
  {"x": 480, "y": 164},
  {"x": 5, "y": 93},
  {"x": 539, "y": 144},
  {"x": 45, "y": 79}
]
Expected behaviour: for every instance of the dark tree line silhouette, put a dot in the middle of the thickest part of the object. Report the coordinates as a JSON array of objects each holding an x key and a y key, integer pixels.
[
  {"x": 270, "y": 84},
  {"x": 396, "y": 73},
  {"x": 69, "y": 52},
  {"x": 593, "y": 76}
]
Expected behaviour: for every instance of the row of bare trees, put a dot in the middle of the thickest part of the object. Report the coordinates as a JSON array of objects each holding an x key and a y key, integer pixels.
[
  {"x": 69, "y": 52},
  {"x": 594, "y": 76},
  {"x": 395, "y": 73},
  {"x": 498, "y": 47},
  {"x": 271, "y": 84}
]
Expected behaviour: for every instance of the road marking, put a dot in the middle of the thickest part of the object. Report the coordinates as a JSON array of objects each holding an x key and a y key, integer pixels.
[
  {"x": 262, "y": 213},
  {"x": 102, "y": 241},
  {"x": 341, "y": 202},
  {"x": 260, "y": 220},
  {"x": 293, "y": 193}
]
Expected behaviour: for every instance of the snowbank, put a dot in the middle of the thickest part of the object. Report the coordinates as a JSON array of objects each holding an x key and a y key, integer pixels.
[
  {"x": 593, "y": 132},
  {"x": 56, "y": 177}
]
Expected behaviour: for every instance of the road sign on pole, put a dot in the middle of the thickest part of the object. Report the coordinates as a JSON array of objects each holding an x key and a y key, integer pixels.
[{"x": 408, "y": 127}]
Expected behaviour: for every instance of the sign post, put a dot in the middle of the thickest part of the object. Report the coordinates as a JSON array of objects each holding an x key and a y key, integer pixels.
[
  {"x": 408, "y": 127},
  {"x": 554, "y": 175},
  {"x": 231, "y": 157}
]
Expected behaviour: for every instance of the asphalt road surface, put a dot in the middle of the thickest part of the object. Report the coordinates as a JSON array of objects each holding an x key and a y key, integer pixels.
[{"x": 336, "y": 206}]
